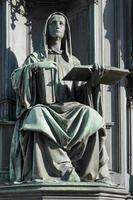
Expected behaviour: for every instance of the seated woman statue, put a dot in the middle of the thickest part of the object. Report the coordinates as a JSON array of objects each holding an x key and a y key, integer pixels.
[{"x": 59, "y": 133}]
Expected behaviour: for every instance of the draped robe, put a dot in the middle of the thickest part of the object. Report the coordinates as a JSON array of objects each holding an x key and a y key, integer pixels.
[
  {"x": 59, "y": 131},
  {"x": 55, "y": 130}
]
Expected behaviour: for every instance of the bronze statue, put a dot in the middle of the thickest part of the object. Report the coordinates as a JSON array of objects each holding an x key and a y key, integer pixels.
[{"x": 59, "y": 133}]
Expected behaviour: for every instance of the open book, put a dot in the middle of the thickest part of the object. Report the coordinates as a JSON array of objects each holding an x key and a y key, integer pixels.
[{"x": 83, "y": 73}]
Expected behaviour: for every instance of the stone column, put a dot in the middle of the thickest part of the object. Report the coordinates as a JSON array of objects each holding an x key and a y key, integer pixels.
[
  {"x": 12, "y": 49},
  {"x": 7, "y": 103}
]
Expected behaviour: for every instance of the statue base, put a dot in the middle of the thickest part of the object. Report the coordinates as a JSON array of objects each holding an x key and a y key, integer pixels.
[{"x": 63, "y": 191}]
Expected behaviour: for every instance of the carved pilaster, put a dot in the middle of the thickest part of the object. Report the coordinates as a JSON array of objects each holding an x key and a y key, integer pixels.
[
  {"x": 129, "y": 90},
  {"x": 7, "y": 64},
  {"x": 130, "y": 129},
  {"x": 6, "y": 130}
]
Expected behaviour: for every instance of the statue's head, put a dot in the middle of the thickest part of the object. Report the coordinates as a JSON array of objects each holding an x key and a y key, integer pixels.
[{"x": 56, "y": 26}]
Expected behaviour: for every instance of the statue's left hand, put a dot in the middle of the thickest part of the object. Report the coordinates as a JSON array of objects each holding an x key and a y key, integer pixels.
[{"x": 96, "y": 75}]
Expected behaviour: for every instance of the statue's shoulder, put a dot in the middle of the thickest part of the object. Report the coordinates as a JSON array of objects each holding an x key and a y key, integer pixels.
[{"x": 33, "y": 57}]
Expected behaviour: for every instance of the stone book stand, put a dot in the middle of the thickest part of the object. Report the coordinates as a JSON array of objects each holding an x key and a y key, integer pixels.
[{"x": 111, "y": 74}]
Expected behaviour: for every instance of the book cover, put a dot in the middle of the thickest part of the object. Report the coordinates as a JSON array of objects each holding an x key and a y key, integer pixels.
[{"x": 83, "y": 73}]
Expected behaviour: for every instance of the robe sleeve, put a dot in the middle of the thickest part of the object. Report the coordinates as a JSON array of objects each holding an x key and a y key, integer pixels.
[{"x": 23, "y": 83}]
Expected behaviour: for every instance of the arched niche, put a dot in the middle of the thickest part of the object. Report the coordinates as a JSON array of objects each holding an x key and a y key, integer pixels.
[{"x": 79, "y": 13}]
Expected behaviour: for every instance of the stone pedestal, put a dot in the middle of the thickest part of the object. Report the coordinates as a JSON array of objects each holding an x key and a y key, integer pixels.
[{"x": 63, "y": 191}]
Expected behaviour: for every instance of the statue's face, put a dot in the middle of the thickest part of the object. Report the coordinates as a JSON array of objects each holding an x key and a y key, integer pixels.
[{"x": 56, "y": 26}]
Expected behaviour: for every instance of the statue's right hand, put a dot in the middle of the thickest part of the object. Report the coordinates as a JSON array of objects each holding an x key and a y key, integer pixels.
[{"x": 45, "y": 64}]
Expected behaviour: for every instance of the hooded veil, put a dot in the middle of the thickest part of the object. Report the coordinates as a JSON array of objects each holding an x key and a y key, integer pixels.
[
  {"x": 53, "y": 132},
  {"x": 66, "y": 42}
]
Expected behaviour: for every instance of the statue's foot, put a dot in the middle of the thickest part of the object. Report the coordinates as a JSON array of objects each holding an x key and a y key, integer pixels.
[
  {"x": 107, "y": 181},
  {"x": 17, "y": 182},
  {"x": 34, "y": 181},
  {"x": 71, "y": 176},
  {"x": 37, "y": 181}
]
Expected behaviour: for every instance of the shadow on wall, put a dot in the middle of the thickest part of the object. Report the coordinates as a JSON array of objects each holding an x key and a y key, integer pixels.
[
  {"x": 111, "y": 57},
  {"x": 108, "y": 21},
  {"x": 13, "y": 64},
  {"x": 37, "y": 27},
  {"x": 113, "y": 26}
]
